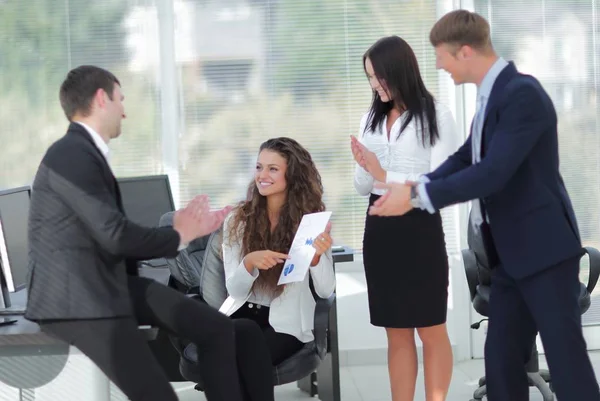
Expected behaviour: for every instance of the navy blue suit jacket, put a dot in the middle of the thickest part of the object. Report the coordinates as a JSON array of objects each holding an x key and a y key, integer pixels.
[{"x": 531, "y": 217}]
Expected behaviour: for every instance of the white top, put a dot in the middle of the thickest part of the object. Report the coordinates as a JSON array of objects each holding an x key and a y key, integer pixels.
[
  {"x": 293, "y": 312},
  {"x": 404, "y": 157}
]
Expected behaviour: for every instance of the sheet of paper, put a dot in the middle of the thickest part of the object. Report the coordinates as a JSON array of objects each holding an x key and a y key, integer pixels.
[{"x": 302, "y": 252}]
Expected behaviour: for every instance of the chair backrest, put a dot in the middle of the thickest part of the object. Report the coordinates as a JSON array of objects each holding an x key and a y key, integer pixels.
[
  {"x": 212, "y": 277},
  {"x": 186, "y": 268},
  {"x": 475, "y": 242}
]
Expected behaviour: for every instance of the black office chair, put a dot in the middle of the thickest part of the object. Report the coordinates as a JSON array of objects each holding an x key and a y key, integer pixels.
[
  {"x": 479, "y": 280},
  {"x": 198, "y": 271}
]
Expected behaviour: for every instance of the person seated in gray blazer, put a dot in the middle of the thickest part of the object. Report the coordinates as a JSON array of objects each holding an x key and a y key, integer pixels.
[
  {"x": 258, "y": 235},
  {"x": 84, "y": 286}
]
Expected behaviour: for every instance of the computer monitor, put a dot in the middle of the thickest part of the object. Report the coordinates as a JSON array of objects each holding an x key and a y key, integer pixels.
[
  {"x": 14, "y": 249},
  {"x": 146, "y": 199}
]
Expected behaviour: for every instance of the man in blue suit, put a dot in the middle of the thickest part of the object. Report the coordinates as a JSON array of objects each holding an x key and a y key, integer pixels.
[{"x": 509, "y": 165}]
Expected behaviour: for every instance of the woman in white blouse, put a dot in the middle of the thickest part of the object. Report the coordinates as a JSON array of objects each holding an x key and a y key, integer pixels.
[
  {"x": 257, "y": 237},
  {"x": 405, "y": 134}
]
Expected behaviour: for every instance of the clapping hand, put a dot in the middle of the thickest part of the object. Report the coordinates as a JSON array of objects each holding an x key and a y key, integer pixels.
[
  {"x": 395, "y": 202},
  {"x": 367, "y": 159},
  {"x": 357, "y": 152},
  {"x": 197, "y": 220}
]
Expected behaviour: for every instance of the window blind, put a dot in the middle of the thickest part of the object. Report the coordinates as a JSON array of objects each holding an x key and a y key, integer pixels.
[
  {"x": 247, "y": 70},
  {"x": 270, "y": 68},
  {"x": 40, "y": 41}
]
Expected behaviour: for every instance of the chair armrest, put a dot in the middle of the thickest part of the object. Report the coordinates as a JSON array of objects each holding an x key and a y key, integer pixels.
[
  {"x": 321, "y": 324},
  {"x": 195, "y": 296},
  {"x": 149, "y": 332},
  {"x": 193, "y": 291},
  {"x": 594, "y": 256}
]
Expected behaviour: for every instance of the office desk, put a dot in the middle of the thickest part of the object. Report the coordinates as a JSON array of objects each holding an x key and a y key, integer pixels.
[
  {"x": 30, "y": 359},
  {"x": 347, "y": 255},
  {"x": 325, "y": 382}
]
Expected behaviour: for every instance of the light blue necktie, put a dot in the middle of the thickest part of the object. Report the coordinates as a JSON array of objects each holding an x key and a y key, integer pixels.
[{"x": 476, "y": 215}]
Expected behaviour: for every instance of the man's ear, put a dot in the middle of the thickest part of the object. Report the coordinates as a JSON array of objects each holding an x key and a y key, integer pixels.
[
  {"x": 466, "y": 52},
  {"x": 100, "y": 98}
]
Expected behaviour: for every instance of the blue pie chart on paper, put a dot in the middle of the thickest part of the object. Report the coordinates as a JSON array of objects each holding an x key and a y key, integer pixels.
[{"x": 288, "y": 269}]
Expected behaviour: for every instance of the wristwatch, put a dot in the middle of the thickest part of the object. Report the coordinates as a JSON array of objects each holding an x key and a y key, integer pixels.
[{"x": 415, "y": 201}]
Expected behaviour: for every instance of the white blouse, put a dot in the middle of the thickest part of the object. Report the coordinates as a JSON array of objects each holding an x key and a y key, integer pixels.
[
  {"x": 292, "y": 312},
  {"x": 404, "y": 157}
]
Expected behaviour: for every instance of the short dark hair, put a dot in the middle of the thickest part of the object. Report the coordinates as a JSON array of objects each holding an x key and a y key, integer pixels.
[
  {"x": 461, "y": 28},
  {"x": 80, "y": 86}
]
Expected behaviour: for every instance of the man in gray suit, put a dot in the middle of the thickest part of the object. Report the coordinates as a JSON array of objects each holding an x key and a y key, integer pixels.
[{"x": 84, "y": 286}]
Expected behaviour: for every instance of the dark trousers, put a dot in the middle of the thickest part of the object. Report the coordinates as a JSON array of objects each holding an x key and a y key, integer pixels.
[
  {"x": 120, "y": 350},
  {"x": 279, "y": 346},
  {"x": 546, "y": 302}
]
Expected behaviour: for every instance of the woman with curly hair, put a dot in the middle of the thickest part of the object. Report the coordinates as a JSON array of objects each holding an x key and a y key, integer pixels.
[{"x": 257, "y": 237}]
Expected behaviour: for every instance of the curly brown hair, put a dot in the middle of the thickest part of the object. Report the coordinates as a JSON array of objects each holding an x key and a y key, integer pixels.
[{"x": 250, "y": 223}]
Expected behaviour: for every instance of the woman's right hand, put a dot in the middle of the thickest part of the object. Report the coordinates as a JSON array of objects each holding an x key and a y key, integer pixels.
[
  {"x": 357, "y": 151},
  {"x": 263, "y": 260}
]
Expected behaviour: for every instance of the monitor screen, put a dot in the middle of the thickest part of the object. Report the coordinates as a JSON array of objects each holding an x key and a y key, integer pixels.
[
  {"x": 14, "y": 216},
  {"x": 146, "y": 199}
]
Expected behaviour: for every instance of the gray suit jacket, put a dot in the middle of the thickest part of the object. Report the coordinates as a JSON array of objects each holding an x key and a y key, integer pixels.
[{"x": 81, "y": 245}]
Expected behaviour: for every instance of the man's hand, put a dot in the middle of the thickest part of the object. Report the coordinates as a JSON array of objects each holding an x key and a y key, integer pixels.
[
  {"x": 197, "y": 220},
  {"x": 395, "y": 202},
  {"x": 367, "y": 160}
]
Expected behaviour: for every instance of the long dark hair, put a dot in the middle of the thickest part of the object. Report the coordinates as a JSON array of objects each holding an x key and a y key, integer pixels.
[
  {"x": 304, "y": 194},
  {"x": 395, "y": 64}
]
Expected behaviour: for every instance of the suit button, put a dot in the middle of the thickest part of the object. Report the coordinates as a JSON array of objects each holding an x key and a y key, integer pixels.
[{"x": 250, "y": 306}]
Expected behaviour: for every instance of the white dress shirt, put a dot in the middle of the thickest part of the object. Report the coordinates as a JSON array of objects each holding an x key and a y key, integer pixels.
[
  {"x": 404, "y": 157},
  {"x": 292, "y": 312}
]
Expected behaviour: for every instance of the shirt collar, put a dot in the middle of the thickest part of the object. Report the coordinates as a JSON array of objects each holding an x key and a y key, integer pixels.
[
  {"x": 100, "y": 144},
  {"x": 485, "y": 88}
]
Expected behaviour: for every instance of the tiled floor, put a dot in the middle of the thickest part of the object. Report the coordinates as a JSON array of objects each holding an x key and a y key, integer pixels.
[{"x": 370, "y": 383}]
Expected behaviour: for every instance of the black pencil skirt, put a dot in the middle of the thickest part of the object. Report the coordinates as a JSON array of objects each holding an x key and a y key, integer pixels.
[{"x": 406, "y": 267}]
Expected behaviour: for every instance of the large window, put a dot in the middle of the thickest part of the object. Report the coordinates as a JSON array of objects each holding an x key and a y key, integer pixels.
[
  {"x": 206, "y": 82},
  {"x": 260, "y": 69},
  {"x": 40, "y": 41}
]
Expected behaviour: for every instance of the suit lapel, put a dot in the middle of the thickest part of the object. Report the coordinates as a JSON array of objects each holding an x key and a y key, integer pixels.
[
  {"x": 80, "y": 131},
  {"x": 507, "y": 74}
]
